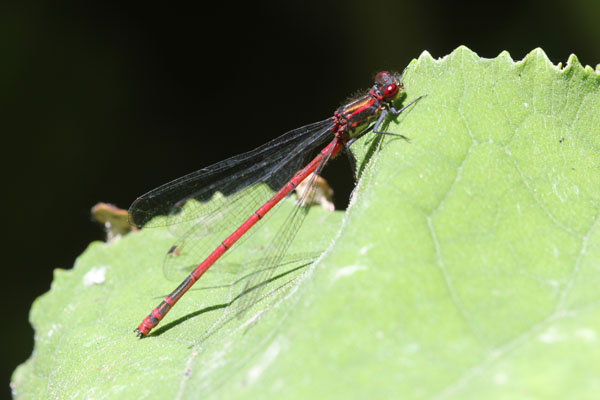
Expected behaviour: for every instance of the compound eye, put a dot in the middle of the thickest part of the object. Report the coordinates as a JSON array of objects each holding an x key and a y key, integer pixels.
[{"x": 390, "y": 91}]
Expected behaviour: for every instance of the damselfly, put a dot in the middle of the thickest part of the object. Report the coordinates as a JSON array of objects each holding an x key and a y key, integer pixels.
[{"x": 245, "y": 180}]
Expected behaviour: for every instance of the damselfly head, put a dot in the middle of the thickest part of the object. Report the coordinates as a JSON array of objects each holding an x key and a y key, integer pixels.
[{"x": 388, "y": 85}]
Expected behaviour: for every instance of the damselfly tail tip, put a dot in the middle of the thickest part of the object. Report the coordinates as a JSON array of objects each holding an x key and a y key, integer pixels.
[{"x": 138, "y": 333}]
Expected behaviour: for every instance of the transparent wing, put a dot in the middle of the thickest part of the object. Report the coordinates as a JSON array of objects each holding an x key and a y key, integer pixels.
[
  {"x": 229, "y": 287},
  {"x": 204, "y": 207}
]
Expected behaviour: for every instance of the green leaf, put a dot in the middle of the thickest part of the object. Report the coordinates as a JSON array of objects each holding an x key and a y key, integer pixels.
[{"x": 467, "y": 266}]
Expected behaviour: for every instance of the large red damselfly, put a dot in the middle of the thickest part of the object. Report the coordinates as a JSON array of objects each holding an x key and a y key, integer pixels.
[{"x": 246, "y": 179}]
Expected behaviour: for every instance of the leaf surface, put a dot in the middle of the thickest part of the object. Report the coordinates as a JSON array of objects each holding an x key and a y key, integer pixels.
[{"x": 467, "y": 266}]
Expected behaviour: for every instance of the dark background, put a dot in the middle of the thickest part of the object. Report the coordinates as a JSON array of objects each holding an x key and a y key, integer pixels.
[{"x": 102, "y": 102}]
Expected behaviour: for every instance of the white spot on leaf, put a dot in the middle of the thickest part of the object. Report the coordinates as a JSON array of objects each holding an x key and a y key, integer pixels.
[
  {"x": 363, "y": 250},
  {"x": 347, "y": 271},
  {"x": 500, "y": 378},
  {"x": 94, "y": 276},
  {"x": 267, "y": 358},
  {"x": 412, "y": 348},
  {"x": 551, "y": 335},
  {"x": 587, "y": 335}
]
